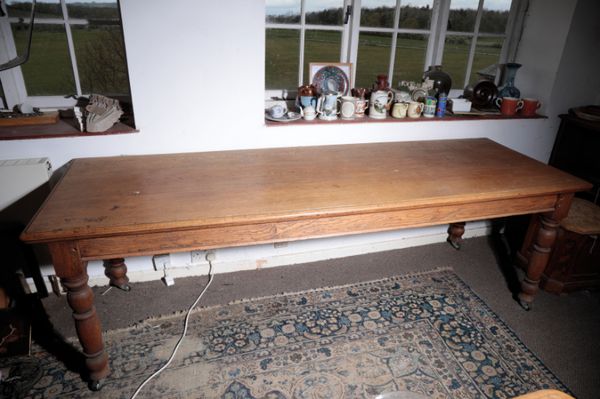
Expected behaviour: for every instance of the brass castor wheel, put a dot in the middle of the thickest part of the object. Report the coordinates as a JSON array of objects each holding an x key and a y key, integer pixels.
[
  {"x": 124, "y": 287},
  {"x": 455, "y": 245},
  {"x": 95, "y": 385},
  {"x": 525, "y": 305}
]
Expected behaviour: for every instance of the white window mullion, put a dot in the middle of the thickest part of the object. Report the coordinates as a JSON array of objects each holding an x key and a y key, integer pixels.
[
  {"x": 301, "y": 48},
  {"x": 354, "y": 37},
  {"x": 345, "y": 32},
  {"x": 394, "y": 41},
  {"x": 473, "y": 43},
  {"x": 13, "y": 83},
  {"x": 71, "y": 47},
  {"x": 439, "y": 21}
]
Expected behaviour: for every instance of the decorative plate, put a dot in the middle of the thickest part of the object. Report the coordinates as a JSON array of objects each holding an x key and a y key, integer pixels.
[{"x": 331, "y": 79}]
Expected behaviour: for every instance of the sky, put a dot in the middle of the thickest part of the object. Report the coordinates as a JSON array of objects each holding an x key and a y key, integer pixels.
[{"x": 277, "y": 7}]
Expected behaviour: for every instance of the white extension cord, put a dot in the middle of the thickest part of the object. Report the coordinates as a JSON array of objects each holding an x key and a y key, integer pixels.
[{"x": 209, "y": 258}]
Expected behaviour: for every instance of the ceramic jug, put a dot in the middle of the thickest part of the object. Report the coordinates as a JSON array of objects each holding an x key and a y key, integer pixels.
[
  {"x": 380, "y": 103},
  {"x": 327, "y": 106}
]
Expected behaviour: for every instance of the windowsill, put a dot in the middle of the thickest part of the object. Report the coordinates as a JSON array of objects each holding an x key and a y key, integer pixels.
[
  {"x": 63, "y": 128},
  {"x": 389, "y": 119}
]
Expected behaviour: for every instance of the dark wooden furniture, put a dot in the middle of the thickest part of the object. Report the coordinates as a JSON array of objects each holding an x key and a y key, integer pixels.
[
  {"x": 574, "y": 262},
  {"x": 109, "y": 208},
  {"x": 577, "y": 151}
]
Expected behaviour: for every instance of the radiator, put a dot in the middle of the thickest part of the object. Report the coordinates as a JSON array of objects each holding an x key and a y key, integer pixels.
[{"x": 19, "y": 177}]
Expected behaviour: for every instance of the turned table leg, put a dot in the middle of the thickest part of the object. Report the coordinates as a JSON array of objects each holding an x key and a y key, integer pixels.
[
  {"x": 455, "y": 233},
  {"x": 73, "y": 275},
  {"x": 542, "y": 233},
  {"x": 116, "y": 270}
]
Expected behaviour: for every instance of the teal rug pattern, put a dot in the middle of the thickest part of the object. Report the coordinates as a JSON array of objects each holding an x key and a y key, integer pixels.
[{"x": 424, "y": 333}]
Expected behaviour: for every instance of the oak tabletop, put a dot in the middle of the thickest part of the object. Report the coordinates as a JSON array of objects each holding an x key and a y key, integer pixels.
[{"x": 136, "y": 194}]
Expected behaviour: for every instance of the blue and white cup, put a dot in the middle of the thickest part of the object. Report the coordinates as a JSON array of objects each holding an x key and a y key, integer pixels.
[{"x": 276, "y": 111}]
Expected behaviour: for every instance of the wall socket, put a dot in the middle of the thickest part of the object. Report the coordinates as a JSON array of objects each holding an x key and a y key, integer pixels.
[{"x": 162, "y": 261}]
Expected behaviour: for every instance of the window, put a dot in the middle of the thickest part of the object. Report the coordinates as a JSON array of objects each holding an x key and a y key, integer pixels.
[
  {"x": 400, "y": 38},
  {"x": 474, "y": 38},
  {"x": 76, "y": 49}
]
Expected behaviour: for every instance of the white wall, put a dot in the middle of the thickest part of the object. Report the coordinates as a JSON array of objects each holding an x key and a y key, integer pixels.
[
  {"x": 578, "y": 77},
  {"x": 197, "y": 79}
]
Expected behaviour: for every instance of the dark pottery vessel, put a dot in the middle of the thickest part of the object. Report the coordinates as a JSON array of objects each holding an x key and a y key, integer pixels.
[{"x": 442, "y": 82}]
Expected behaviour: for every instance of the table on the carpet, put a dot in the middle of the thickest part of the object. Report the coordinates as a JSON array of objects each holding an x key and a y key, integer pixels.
[{"x": 111, "y": 208}]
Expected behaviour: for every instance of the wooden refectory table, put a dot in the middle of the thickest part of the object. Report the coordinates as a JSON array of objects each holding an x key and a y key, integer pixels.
[{"x": 111, "y": 208}]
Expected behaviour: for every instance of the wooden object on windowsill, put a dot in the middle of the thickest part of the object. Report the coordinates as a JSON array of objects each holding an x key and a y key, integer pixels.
[{"x": 44, "y": 118}]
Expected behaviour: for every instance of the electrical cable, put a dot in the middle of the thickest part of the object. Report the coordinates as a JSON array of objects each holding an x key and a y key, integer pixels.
[{"x": 185, "y": 327}]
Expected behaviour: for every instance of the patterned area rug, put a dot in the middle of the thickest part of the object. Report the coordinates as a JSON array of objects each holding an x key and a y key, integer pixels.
[{"x": 426, "y": 335}]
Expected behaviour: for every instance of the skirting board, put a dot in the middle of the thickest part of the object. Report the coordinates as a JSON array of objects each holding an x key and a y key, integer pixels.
[{"x": 228, "y": 260}]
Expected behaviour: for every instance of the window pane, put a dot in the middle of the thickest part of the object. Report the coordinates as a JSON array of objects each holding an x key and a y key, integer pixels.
[
  {"x": 462, "y": 15},
  {"x": 373, "y": 57},
  {"x": 494, "y": 16},
  {"x": 456, "y": 55},
  {"x": 324, "y": 13},
  {"x": 321, "y": 46},
  {"x": 283, "y": 12},
  {"x": 415, "y": 14},
  {"x": 97, "y": 13},
  {"x": 378, "y": 13},
  {"x": 43, "y": 9},
  {"x": 101, "y": 59},
  {"x": 48, "y": 70},
  {"x": 410, "y": 57},
  {"x": 281, "y": 58},
  {"x": 487, "y": 55},
  {"x": 99, "y": 48}
]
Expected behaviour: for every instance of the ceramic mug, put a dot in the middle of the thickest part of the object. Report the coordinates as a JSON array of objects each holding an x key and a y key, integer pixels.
[
  {"x": 348, "y": 107},
  {"x": 530, "y": 106},
  {"x": 509, "y": 105},
  {"x": 399, "y": 110},
  {"x": 380, "y": 103},
  {"x": 414, "y": 109},
  {"x": 361, "y": 107}
]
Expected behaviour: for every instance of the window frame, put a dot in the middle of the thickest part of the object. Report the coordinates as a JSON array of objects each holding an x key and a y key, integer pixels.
[
  {"x": 437, "y": 33},
  {"x": 14, "y": 80}
]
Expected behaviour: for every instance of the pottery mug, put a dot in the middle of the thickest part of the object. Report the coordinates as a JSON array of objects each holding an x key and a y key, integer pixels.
[
  {"x": 509, "y": 105},
  {"x": 348, "y": 107},
  {"x": 380, "y": 103},
  {"x": 361, "y": 107},
  {"x": 530, "y": 106},
  {"x": 414, "y": 109},
  {"x": 399, "y": 110}
]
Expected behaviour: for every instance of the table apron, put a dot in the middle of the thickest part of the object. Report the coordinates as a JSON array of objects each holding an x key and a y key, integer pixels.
[{"x": 151, "y": 243}]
